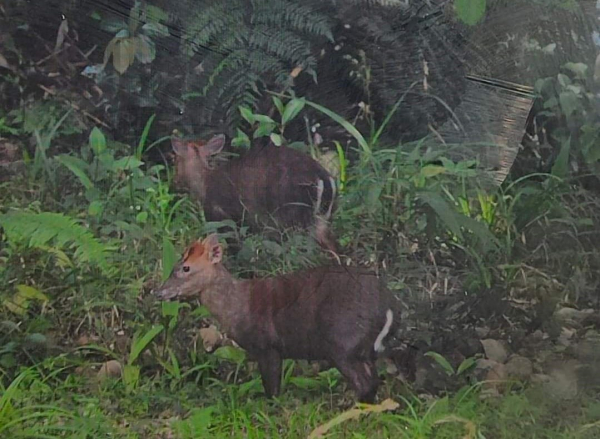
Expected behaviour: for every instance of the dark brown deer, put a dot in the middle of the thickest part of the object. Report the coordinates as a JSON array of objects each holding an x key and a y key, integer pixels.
[
  {"x": 336, "y": 313},
  {"x": 268, "y": 184}
]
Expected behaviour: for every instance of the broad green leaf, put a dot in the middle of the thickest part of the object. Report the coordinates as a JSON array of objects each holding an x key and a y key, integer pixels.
[
  {"x": 171, "y": 309},
  {"x": 486, "y": 238},
  {"x": 169, "y": 257},
  {"x": 113, "y": 25},
  {"x": 231, "y": 353},
  {"x": 124, "y": 53},
  {"x": 241, "y": 139},
  {"x": 155, "y": 29},
  {"x": 551, "y": 103},
  {"x": 470, "y": 11},
  {"x": 154, "y": 14},
  {"x": 135, "y": 16},
  {"x": 563, "y": 80},
  {"x": 131, "y": 375},
  {"x": 569, "y": 102},
  {"x": 126, "y": 163},
  {"x": 466, "y": 364},
  {"x": 95, "y": 208},
  {"x": 292, "y": 109},
  {"x": 351, "y": 129},
  {"x": 443, "y": 210},
  {"x": 278, "y": 104},
  {"x": 19, "y": 303},
  {"x": 307, "y": 383},
  {"x": 432, "y": 170},
  {"x": 561, "y": 165},
  {"x": 262, "y": 118},
  {"x": 273, "y": 247},
  {"x": 141, "y": 217},
  {"x": 276, "y": 139},
  {"x": 141, "y": 343},
  {"x": 439, "y": 359},
  {"x": 123, "y": 33},
  {"x": 263, "y": 130},
  {"x": 201, "y": 312},
  {"x": 146, "y": 50},
  {"x": 31, "y": 293},
  {"x": 247, "y": 114},
  {"x": 197, "y": 423},
  {"x": 77, "y": 167},
  {"x": 97, "y": 141}
]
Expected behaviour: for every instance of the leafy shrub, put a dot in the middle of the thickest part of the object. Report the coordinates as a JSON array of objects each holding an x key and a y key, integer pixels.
[{"x": 247, "y": 47}]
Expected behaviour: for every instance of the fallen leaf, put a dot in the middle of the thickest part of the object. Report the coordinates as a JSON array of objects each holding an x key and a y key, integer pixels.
[
  {"x": 210, "y": 337},
  {"x": 294, "y": 73},
  {"x": 63, "y": 29},
  {"x": 4, "y": 63},
  {"x": 385, "y": 406}
]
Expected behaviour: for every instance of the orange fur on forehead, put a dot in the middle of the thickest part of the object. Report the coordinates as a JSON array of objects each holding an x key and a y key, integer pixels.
[
  {"x": 195, "y": 143},
  {"x": 194, "y": 252}
]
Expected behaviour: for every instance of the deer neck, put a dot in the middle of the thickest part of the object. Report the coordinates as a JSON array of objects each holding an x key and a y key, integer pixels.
[
  {"x": 197, "y": 173},
  {"x": 226, "y": 299}
]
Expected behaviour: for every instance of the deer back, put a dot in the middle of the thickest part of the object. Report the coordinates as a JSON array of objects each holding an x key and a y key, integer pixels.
[{"x": 268, "y": 181}]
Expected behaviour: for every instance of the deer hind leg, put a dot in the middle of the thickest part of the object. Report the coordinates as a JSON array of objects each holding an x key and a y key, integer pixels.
[
  {"x": 269, "y": 365},
  {"x": 324, "y": 236}
]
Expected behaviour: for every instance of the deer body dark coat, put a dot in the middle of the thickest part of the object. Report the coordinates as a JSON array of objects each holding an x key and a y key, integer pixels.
[
  {"x": 340, "y": 314},
  {"x": 268, "y": 185}
]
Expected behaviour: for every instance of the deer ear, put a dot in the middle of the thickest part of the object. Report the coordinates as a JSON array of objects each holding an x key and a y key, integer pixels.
[
  {"x": 215, "y": 254},
  {"x": 179, "y": 145},
  {"x": 215, "y": 145},
  {"x": 214, "y": 249}
]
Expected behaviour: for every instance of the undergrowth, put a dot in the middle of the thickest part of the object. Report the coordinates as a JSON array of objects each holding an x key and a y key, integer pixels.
[{"x": 86, "y": 352}]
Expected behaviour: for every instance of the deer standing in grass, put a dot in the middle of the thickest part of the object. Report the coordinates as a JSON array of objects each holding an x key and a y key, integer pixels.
[
  {"x": 340, "y": 314},
  {"x": 266, "y": 185}
]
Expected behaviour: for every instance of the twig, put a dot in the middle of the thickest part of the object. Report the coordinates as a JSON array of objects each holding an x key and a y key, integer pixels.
[{"x": 75, "y": 107}]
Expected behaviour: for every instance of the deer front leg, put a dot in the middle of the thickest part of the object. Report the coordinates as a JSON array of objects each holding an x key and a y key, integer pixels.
[{"x": 269, "y": 364}]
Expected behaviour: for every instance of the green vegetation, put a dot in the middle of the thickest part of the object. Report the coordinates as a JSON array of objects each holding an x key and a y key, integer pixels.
[
  {"x": 90, "y": 225},
  {"x": 79, "y": 263}
]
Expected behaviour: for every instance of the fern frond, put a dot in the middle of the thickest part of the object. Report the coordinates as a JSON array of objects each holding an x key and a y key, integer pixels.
[
  {"x": 212, "y": 22},
  {"x": 250, "y": 45},
  {"x": 37, "y": 230},
  {"x": 288, "y": 15},
  {"x": 283, "y": 44}
]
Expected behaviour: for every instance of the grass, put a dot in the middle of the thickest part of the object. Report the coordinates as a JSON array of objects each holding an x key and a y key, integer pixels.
[
  {"x": 65, "y": 404},
  {"x": 402, "y": 212}
]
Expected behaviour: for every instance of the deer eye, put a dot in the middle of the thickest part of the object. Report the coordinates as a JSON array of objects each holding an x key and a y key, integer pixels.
[{"x": 186, "y": 268}]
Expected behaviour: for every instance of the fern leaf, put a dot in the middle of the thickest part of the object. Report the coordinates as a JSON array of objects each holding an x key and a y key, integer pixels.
[
  {"x": 287, "y": 46},
  {"x": 293, "y": 16},
  {"x": 40, "y": 229},
  {"x": 249, "y": 45},
  {"x": 218, "y": 19}
]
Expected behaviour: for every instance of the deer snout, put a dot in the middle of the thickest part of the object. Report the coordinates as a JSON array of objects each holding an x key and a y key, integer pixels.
[{"x": 166, "y": 292}]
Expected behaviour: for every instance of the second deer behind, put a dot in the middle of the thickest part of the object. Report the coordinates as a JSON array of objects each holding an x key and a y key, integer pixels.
[{"x": 268, "y": 185}]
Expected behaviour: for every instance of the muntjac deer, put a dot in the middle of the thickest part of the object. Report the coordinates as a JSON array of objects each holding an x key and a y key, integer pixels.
[
  {"x": 340, "y": 314},
  {"x": 267, "y": 183}
]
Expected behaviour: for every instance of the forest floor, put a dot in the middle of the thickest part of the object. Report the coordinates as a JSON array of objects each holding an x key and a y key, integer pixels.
[{"x": 494, "y": 344}]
